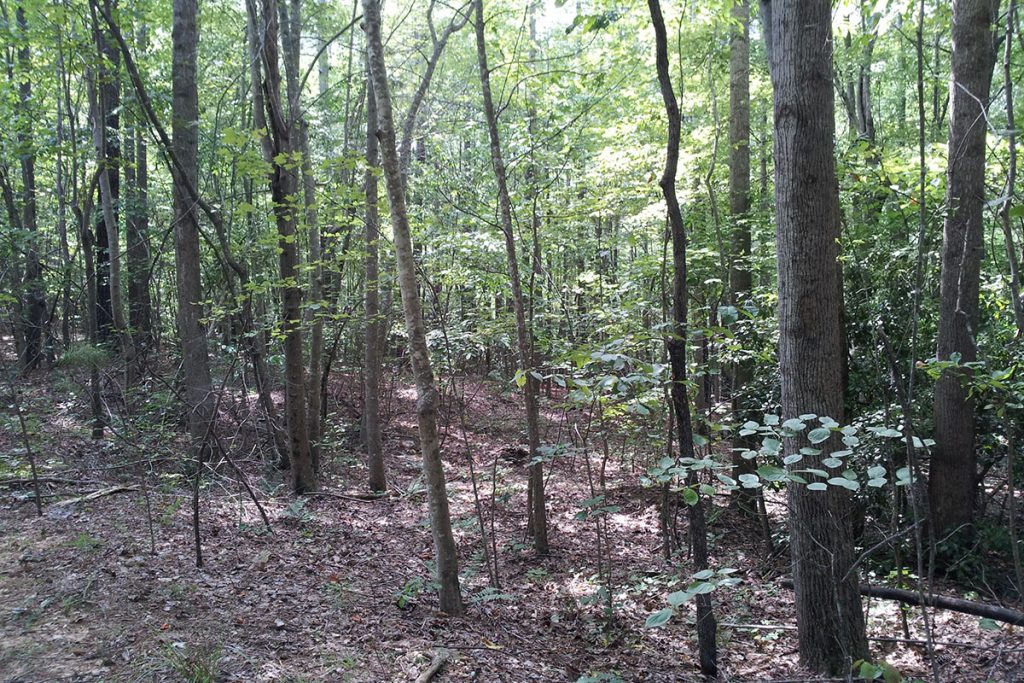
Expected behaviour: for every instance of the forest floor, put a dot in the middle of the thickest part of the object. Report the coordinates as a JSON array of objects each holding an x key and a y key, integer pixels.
[{"x": 340, "y": 590}]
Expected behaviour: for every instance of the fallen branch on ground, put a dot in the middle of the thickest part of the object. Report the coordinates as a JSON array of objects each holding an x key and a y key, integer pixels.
[
  {"x": 439, "y": 659},
  {"x": 978, "y": 609},
  {"x": 95, "y": 494}
]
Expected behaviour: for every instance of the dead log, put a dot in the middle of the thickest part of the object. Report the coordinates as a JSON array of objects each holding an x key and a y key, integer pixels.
[{"x": 978, "y": 609}]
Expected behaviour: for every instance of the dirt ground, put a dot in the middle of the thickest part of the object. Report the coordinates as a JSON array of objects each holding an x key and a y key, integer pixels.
[{"x": 340, "y": 590}]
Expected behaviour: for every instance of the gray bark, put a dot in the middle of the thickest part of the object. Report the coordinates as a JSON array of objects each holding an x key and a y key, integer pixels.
[
  {"x": 798, "y": 34},
  {"x": 952, "y": 481},
  {"x": 372, "y": 346},
  {"x": 185, "y": 130}
]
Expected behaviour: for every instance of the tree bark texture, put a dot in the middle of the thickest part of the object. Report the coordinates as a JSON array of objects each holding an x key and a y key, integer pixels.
[
  {"x": 371, "y": 346},
  {"x": 952, "y": 482},
  {"x": 798, "y": 35},
  {"x": 185, "y": 125}
]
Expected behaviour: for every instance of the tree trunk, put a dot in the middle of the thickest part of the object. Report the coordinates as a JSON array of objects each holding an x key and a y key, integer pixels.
[
  {"x": 676, "y": 343},
  {"x": 284, "y": 184},
  {"x": 257, "y": 344},
  {"x": 740, "y": 281},
  {"x": 33, "y": 290},
  {"x": 185, "y": 103},
  {"x": 445, "y": 552},
  {"x": 106, "y": 124},
  {"x": 537, "y": 511},
  {"x": 140, "y": 316},
  {"x": 798, "y": 35},
  {"x": 952, "y": 481},
  {"x": 372, "y": 347}
]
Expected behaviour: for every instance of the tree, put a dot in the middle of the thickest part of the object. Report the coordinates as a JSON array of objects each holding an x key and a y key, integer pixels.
[
  {"x": 798, "y": 36},
  {"x": 199, "y": 398},
  {"x": 524, "y": 335},
  {"x": 740, "y": 279},
  {"x": 676, "y": 342},
  {"x": 953, "y": 484},
  {"x": 33, "y": 291},
  {"x": 284, "y": 186},
  {"x": 136, "y": 172},
  {"x": 445, "y": 553},
  {"x": 371, "y": 347}
]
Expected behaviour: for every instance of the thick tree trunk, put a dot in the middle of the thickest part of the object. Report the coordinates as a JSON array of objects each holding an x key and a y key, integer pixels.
[
  {"x": 798, "y": 34},
  {"x": 371, "y": 345},
  {"x": 676, "y": 343},
  {"x": 538, "y": 511},
  {"x": 185, "y": 102},
  {"x": 284, "y": 186},
  {"x": 445, "y": 552},
  {"x": 952, "y": 481}
]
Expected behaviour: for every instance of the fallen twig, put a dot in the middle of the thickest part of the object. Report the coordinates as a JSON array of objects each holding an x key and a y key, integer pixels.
[
  {"x": 356, "y": 497},
  {"x": 94, "y": 495},
  {"x": 439, "y": 659}
]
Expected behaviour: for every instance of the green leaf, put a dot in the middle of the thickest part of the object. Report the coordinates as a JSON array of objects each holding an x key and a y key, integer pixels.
[
  {"x": 678, "y": 598},
  {"x": 790, "y": 459},
  {"x": 817, "y": 486},
  {"x": 703, "y": 575},
  {"x": 987, "y": 624},
  {"x": 690, "y": 497},
  {"x": 750, "y": 481},
  {"x": 771, "y": 472},
  {"x": 659, "y": 618},
  {"x": 794, "y": 425},
  {"x": 818, "y": 435}
]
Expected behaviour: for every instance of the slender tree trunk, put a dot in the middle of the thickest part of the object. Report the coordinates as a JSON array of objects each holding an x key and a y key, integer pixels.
[
  {"x": 372, "y": 347},
  {"x": 106, "y": 126},
  {"x": 33, "y": 290},
  {"x": 676, "y": 343},
  {"x": 953, "y": 481},
  {"x": 445, "y": 552},
  {"x": 136, "y": 170},
  {"x": 258, "y": 338},
  {"x": 538, "y": 512},
  {"x": 284, "y": 184},
  {"x": 740, "y": 281},
  {"x": 185, "y": 130},
  {"x": 798, "y": 35}
]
